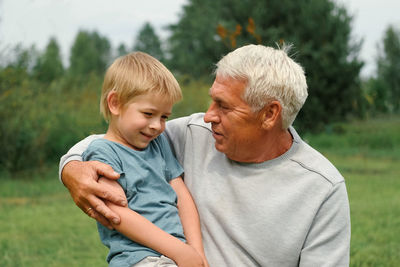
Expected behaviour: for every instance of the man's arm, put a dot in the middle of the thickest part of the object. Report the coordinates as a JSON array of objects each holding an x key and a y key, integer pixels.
[
  {"x": 328, "y": 241},
  {"x": 189, "y": 216},
  {"x": 139, "y": 229},
  {"x": 75, "y": 152},
  {"x": 81, "y": 180}
]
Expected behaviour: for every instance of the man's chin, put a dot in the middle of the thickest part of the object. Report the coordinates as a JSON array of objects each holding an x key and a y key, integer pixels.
[{"x": 219, "y": 147}]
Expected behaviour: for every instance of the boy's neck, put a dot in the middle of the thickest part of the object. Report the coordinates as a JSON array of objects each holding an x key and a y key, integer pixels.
[{"x": 113, "y": 136}]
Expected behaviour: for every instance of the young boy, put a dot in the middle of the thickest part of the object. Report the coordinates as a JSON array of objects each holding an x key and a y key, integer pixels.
[{"x": 160, "y": 223}]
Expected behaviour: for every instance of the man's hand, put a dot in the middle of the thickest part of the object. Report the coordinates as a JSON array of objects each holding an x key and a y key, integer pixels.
[{"x": 81, "y": 180}]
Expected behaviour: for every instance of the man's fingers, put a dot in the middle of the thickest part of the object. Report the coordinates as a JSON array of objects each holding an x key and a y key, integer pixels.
[
  {"x": 91, "y": 212},
  {"x": 88, "y": 211},
  {"x": 104, "y": 170},
  {"x": 110, "y": 190},
  {"x": 100, "y": 210},
  {"x": 101, "y": 219}
]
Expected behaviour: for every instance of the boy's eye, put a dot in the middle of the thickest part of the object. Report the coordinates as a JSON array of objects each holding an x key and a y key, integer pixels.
[
  {"x": 147, "y": 113},
  {"x": 165, "y": 117}
]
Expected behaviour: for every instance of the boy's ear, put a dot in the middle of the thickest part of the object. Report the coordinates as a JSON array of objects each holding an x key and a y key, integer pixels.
[
  {"x": 271, "y": 115},
  {"x": 113, "y": 103}
]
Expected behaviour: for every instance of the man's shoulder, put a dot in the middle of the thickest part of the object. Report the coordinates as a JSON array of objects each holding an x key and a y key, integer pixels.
[
  {"x": 194, "y": 120},
  {"x": 197, "y": 119},
  {"x": 312, "y": 160}
]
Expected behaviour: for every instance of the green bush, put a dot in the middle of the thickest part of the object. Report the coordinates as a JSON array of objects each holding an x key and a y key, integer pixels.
[
  {"x": 40, "y": 121},
  {"x": 378, "y": 136},
  {"x": 195, "y": 97}
]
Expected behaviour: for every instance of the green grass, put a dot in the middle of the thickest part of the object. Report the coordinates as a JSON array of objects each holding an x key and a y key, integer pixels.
[
  {"x": 41, "y": 226},
  {"x": 367, "y": 153},
  {"x": 373, "y": 186}
]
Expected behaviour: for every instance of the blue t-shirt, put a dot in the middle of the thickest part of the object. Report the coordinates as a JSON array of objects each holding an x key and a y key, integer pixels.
[{"x": 145, "y": 177}]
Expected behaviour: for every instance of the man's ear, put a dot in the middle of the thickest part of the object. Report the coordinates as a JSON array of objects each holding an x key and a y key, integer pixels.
[
  {"x": 113, "y": 103},
  {"x": 271, "y": 115}
]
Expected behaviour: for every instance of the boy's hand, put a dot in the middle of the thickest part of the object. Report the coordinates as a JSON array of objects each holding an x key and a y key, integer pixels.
[
  {"x": 205, "y": 262},
  {"x": 189, "y": 258},
  {"x": 81, "y": 180}
]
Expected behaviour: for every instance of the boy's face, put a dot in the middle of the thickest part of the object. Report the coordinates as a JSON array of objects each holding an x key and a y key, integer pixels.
[{"x": 141, "y": 120}]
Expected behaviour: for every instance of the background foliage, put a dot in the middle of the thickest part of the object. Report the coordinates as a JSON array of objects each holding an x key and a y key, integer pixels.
[
  {"x": 385, "y": 86},
  {"x": 46, "y": 106}
]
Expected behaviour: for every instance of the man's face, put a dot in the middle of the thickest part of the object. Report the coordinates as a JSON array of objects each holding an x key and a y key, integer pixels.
[{"x": 236, "y": 129}]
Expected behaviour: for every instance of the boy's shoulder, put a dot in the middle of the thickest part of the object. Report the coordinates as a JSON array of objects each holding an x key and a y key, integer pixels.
[
  {"x": 106, "y": 149},
  {"x": 100, "y": 143}
]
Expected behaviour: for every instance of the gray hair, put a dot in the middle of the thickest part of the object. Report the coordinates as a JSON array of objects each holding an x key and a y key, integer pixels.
[{"x": 271, "y": 75}]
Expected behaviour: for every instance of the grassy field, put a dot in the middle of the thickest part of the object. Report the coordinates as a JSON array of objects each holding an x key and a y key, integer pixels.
[{"x": 40, "y": 225}]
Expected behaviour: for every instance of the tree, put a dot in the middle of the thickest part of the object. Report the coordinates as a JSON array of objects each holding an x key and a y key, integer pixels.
[
  {"x": 49, "y": 65},
  {"x": 320, "y": 31},
  {"x": 194, "y": 44},
  {"x": 21, "y": 58},
  {"x": 121, "y": 50},
  {"x": 148, "y": 41},
  {"x": 89, "y": 53},
  {"x": 386, "y": 91}
]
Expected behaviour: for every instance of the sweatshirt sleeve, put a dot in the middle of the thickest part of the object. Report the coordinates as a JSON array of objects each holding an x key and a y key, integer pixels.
[
  {"x": 328, "y": 241},
  {"x": 75, "y": 152}
]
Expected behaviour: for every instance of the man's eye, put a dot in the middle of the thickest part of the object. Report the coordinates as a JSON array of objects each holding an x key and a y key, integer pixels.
[{"x": 222, "y": 106}]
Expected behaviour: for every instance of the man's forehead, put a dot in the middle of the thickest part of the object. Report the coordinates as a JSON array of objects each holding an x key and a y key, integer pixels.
[{"x": 222, "y": 83}]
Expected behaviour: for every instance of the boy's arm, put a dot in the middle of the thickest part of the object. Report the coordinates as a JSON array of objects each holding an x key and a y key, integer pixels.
[
  {"x": 189, "y": 216},
  {"x": 139, "y": 229}
]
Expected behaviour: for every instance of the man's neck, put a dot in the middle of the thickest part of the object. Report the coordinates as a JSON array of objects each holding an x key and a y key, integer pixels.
[{"x": 270, "y": 147}]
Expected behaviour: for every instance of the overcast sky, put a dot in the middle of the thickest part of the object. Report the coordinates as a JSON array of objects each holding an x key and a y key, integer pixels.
[{"x": 35, "y": 21}]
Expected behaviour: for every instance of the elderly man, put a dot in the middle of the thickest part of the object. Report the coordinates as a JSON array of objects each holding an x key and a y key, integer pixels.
[{"x": 264, "y": 196}]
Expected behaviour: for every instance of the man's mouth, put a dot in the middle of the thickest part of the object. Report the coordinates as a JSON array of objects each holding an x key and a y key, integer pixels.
[{"x": 216, "y": 134}]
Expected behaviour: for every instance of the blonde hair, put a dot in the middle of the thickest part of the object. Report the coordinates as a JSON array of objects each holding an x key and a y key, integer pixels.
[
  {"x": 136, "y": 74},
  {"x": 270, "y": 75}
]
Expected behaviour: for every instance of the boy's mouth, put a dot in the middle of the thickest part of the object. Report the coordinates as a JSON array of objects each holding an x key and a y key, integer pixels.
[{"x": 149, "y": 136}]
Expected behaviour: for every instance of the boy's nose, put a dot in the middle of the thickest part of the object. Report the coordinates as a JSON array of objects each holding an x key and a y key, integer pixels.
[{"x": 156, "y": 125}]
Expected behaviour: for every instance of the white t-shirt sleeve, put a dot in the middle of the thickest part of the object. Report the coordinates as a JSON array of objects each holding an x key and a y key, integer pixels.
[{"x": 75, "y": 152}]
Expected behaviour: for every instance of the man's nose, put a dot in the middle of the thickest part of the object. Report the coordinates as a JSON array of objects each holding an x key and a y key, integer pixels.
[{"x": 211, "y": 114}]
